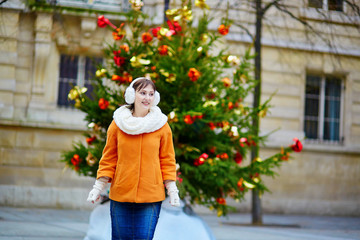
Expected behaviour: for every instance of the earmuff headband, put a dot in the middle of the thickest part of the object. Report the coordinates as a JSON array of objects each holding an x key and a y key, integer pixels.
[{"x": 130, "y": 93}]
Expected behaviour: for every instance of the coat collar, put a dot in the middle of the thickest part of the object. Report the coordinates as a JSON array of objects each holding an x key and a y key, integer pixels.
[{"x": 129, "y": 124}]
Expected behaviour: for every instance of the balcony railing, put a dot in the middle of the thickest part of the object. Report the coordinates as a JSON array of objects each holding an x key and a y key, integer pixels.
[
  {"x": 92, "y": 5},
  {"x": 102, "y": 5}
]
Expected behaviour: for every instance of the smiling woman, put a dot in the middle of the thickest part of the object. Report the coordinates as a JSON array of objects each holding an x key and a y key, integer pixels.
[
  {"x": 144, "y": 97},
  {"x": 138, "y": 159},
  {"x": 141, "y": 87}
]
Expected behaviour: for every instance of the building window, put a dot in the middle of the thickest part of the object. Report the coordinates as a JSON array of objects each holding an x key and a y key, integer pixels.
[
  {"x": 323, "y": 107},
  {"x": 332, "y": 5},
  {"x": 75, "y": 71}
]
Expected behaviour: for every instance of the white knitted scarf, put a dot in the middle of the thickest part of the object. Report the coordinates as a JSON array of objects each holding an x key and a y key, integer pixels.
[{"x": 129, "y": 124}]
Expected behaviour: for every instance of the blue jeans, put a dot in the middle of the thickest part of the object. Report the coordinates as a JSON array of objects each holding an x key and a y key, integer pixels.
[{"x": 133, "y": 221}]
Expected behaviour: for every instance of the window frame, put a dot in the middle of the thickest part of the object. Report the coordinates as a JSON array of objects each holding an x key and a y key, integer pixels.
[
  {"x": 321, "y": 109},
  {"x": 80, "y": 75},
  {"x": 325, "y": 6}
]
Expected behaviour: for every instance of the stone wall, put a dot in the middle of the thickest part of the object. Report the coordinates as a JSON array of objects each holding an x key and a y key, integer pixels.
[{"x": 34, "y": 130}]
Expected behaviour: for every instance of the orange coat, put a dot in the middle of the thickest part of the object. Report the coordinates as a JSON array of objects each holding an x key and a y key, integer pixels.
[{"x": 138, "y": 164}]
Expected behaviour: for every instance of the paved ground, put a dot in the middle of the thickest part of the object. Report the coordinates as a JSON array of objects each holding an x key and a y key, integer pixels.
[
  {"x": 280, "y": 227},
  {"x": 52, "y": 224}
]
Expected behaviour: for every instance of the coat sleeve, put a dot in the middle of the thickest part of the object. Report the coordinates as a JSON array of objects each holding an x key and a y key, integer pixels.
[
  {"x": 108, "y": 161},
  {"x": 167, "y": 155}
]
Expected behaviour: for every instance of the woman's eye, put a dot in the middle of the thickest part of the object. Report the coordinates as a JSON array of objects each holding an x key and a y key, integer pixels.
[{"x": 151, "y": 94}]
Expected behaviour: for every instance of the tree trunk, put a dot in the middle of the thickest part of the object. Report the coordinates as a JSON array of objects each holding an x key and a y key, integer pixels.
[{"x": 256, "y": 203}]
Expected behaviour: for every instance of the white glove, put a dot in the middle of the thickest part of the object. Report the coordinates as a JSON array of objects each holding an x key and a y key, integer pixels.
[
  {"x": 99, "y": 186},
  {"x": 173, "y": 191}
]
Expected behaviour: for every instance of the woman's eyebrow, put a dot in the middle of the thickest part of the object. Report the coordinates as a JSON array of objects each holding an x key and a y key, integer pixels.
[{"x": 146, "y": 91}]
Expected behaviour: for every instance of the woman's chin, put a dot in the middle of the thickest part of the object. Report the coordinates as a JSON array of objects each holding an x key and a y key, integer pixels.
[{"x": 146, "y": 106}]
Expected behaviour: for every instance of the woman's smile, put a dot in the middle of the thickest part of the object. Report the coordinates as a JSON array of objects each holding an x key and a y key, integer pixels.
[{"x": 144, "y": 99}]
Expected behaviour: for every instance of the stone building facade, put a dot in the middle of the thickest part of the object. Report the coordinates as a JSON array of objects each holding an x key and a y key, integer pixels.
[{"x": 317, "y": 95}]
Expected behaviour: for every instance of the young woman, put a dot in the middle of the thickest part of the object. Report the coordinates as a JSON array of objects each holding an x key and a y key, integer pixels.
[{"x": 138, "y": 159}]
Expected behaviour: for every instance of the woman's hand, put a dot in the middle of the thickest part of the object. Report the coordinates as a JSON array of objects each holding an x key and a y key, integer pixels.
[
  {"x": 99, "y": 186},
  {"x": 173, "y": 193}
]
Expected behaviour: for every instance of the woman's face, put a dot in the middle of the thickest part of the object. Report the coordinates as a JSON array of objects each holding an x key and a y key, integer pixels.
[{"x": 144, "y": 98}]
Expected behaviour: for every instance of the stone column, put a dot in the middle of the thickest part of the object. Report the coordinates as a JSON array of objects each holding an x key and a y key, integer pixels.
[
  {"x": 43, "y": 27},
  {"x": 88, "y": 26},
  {"x": 9, "y": 22}
]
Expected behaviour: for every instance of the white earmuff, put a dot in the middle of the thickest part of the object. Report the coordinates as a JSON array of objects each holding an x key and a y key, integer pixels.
[
  {"x": 130, "y": 94},
  {"x": 156, "y": 99}
]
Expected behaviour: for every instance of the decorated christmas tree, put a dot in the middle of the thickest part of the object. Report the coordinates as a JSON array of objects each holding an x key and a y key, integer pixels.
[{"x": 202, "y": 91}]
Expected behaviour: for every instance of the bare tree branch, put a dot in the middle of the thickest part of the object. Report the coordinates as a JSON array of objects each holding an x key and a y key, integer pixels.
[
  {"x": 246, "y": 30},
  {"x": 283, "y": 8},
  {"x": 3, "y": 1},
  {"x": 269, "y": 5},
  {"x": 354, "y": 7}
]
